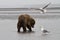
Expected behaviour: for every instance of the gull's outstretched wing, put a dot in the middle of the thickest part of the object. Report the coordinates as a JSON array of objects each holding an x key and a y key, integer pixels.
[
  {"x": 35, "y": 9},
  {"x": 46, "y": 6}
]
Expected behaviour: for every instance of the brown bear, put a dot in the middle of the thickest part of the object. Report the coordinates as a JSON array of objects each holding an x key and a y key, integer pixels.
[{"x": 25, "y": 21}]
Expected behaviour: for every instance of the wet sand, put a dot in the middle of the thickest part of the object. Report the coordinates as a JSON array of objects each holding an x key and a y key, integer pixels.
[{"x": 8, "y": 30}]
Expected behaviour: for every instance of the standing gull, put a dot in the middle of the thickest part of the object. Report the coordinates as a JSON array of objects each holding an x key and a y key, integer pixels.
[{"x": 44, "y": 30}]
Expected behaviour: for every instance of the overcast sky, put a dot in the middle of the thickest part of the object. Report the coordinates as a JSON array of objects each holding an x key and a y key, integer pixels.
[{"x": 20, "y": 3}]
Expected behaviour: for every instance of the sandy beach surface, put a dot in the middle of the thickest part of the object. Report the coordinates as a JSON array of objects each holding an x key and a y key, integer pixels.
[{"x": 51, "y": 22}]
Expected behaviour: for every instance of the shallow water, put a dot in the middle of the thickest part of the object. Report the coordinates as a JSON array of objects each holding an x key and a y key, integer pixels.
[
  {"x": 50, "y": 21},
  {"x": 8, "y": 30}
]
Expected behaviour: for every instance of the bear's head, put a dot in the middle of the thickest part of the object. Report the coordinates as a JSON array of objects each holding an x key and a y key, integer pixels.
[{"x": 32, "y": 22}]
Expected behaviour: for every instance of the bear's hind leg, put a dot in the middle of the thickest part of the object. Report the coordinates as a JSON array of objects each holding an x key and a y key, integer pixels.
[
  {"x": 18, "y": 27},
  {"x": 24, "y": 28}
]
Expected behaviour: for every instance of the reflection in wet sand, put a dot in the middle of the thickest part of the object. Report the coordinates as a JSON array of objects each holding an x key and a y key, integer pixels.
[{"x": 8, "y": 30}]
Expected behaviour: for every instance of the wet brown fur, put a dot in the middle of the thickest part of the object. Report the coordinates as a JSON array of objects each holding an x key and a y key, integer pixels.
[{"x": 25, "y": 21}]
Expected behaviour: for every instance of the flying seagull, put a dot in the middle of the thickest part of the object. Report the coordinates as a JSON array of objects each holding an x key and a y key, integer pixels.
[{"x": 42, "y": 9}]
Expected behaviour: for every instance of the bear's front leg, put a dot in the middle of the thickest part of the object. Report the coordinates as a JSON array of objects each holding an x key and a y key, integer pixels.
[{"x": 29, "y": 27}]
